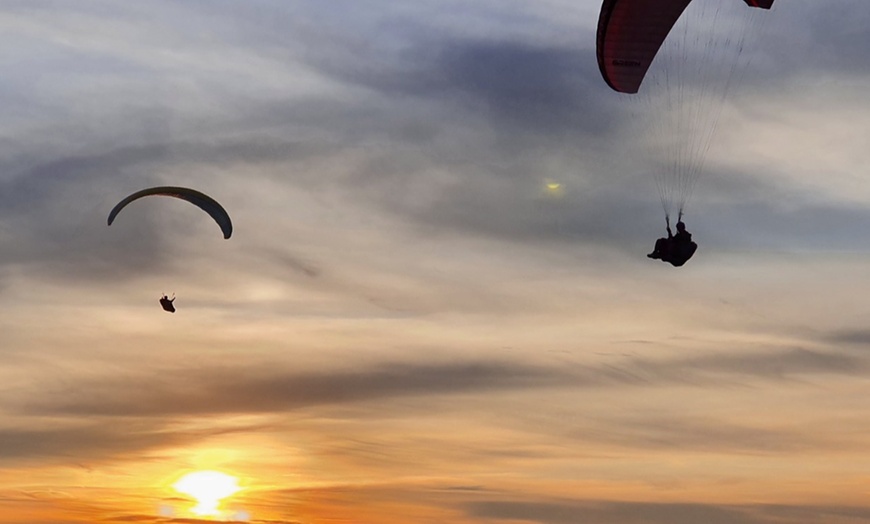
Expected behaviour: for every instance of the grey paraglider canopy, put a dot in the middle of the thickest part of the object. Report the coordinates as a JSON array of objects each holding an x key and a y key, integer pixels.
[{"x": 201, "y": 200}]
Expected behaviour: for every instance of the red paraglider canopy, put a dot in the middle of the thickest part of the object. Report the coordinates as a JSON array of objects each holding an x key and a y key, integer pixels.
[{"x": 630, "y": 33}]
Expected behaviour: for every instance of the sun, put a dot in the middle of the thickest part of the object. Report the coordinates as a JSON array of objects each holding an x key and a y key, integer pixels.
[{"x": 208, "y": 488}]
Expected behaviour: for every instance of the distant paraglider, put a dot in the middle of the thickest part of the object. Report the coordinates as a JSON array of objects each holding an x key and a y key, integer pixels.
[
  {"x": 201, "y": 200},
  {"x": 167, "y": 303}
]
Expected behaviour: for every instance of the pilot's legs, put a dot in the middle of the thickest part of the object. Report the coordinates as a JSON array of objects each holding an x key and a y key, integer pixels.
[{"x": 659, "y": 250}]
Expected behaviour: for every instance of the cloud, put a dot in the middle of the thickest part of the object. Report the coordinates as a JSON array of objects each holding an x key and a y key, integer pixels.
[
  {"x": 711, "y": 435},
  {"x": 474, "y": 125},
  {"x": 857, "y": 337},
  {"x": 710, "y": 370},
  {"x": 781, "y": 364},
  {"x": 148, "y": 519},
  {"x": 612, "y": 512},
  {"x": 529, "y": 88},
  {"x": 807, "y": 40},
  {"x": 257, "y": 389},
  {"x": 55, "y": 212},
  {"x": 540, "y": 111},
  {"x": 84, "y": 441},
  {"x": 392, "y": 156},
  {"x": 127, "y": 414}
]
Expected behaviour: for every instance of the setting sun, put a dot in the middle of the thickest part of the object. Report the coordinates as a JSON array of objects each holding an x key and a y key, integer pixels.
[{"x": 208, "y": 488}]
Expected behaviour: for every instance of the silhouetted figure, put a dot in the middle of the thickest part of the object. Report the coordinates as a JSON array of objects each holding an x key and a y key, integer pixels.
[
  {"x": 676, "y": 249},
  {"x": 166, "y": 303}
]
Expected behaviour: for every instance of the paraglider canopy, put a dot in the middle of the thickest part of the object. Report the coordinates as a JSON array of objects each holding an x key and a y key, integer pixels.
[
  {"x": 679, "y": 59},
  {"x": 630, "y": 33},
  {"x": 201, "y": 200}
]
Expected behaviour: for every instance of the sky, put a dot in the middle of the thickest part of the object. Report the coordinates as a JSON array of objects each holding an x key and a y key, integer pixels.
[{"x": 405, "y": 326}]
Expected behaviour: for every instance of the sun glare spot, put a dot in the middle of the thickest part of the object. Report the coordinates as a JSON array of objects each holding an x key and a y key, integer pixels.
[
  {"x": 208, "y": 488},
  {"x": 553, "y": 188}
]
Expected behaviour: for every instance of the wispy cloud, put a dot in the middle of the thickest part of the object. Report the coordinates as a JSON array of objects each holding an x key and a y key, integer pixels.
[{"x": 639, "y": 512}]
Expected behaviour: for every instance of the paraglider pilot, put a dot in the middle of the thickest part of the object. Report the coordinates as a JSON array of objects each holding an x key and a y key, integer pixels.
[
  {"x": 676, "y": 249},
  {"x": 166, "y": 303}
]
